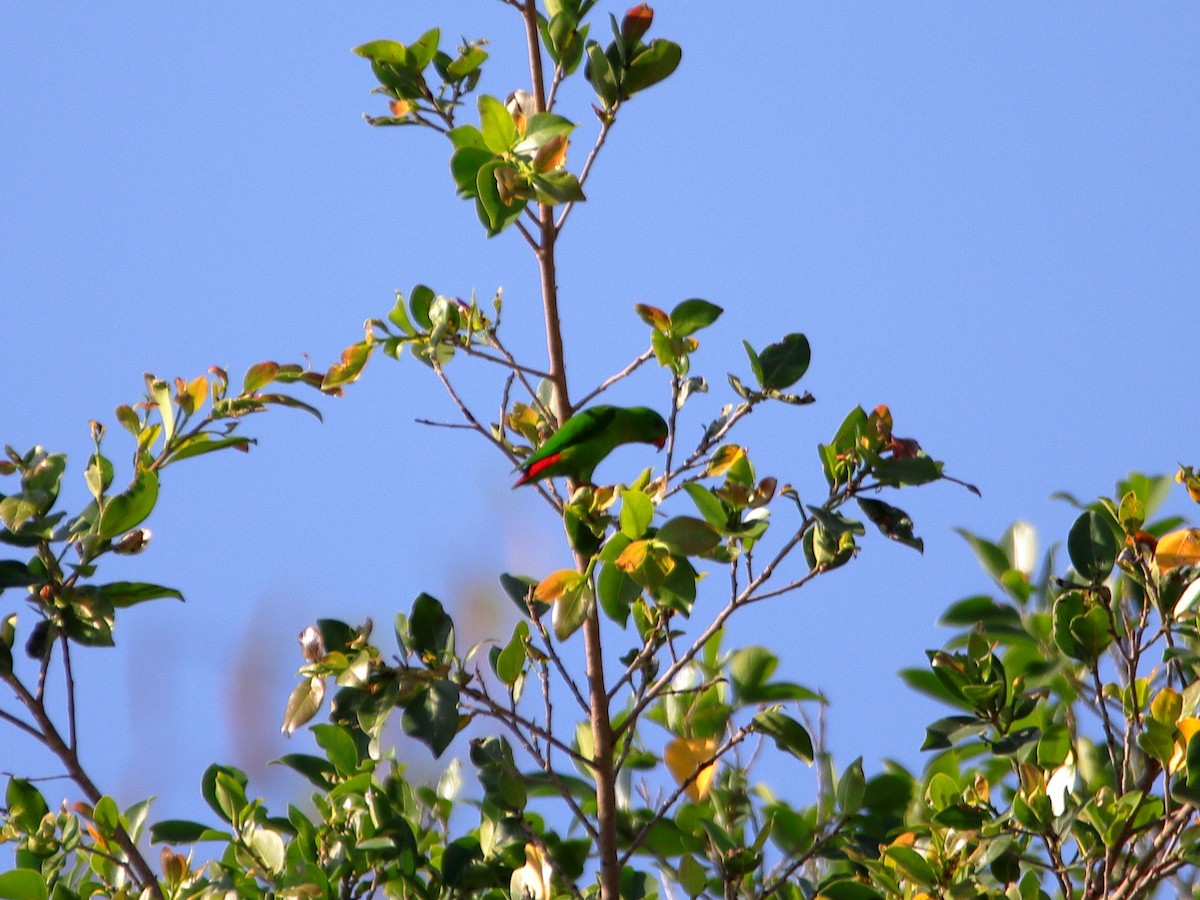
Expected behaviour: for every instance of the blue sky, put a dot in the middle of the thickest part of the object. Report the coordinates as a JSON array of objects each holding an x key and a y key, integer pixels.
[{"x": 985, "y": 216}]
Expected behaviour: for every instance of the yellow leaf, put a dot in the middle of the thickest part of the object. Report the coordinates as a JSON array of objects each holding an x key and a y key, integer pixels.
[
  {"x": 633, "y": 556},
  {"x": 196, "y": 392},
  {"x": 556, "y": 584},
  {"x": 724, "y": 458},
  {"x": 685, "y": 758},
  {"x": 1179, "y": 548},
  {"x": 532, "y": 880},
  {"x": 1166, "y": 706},
  {"x": 1186, "y": 727}
]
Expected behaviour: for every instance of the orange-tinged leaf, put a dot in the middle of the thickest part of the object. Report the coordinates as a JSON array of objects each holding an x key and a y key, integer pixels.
[
  {"x": 633, "y": 556},
  {"x": 879, "y": 424},
  {"x": 653, "y": 316},
  {"x": 349, "y": 368},
  {"x": 1187, "y": 727},
  {"x": 686, "y": 758},
  {"x": 724, "y": 459},
  {"x": 556, "y": 584},
  {"x": 259, "y": 375},
  {"x": 552, "y": 154},
  {"x": 1179, "y": 548}
]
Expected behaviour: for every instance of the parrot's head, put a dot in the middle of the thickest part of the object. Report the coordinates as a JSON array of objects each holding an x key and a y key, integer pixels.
[{"x": 650, "y": 425}]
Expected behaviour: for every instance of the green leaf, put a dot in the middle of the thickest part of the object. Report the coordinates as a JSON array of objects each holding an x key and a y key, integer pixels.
[
  {"x": 493, "y": 212},
  {"x": 945, "y": 733},
  {"x": 1092, "y": 632},
  {"x": 204, "y": 442},
  {"x": 692, "y": 315},
  {"x": 99, "y": 474},
  {"x": 497, "y": 125},
  {"x": 572, "y": 609},
  {"x": 1068, "y": 607},
  {"x": 749, "y": 669},
  {"x": 510, "y": 661},
  {"x": 181, "y": 831},
  {"x": 912, "y": 863},
  {"x": 464, "y": 168},
  {"x": 692, "y": 876},
  {"x": 26, "y": 805},
  {"x": 129, "y": 509},
  {"x": 23, "y": 884},
  {"x": 106, "y": 815},
  {"x": 994, "y": 560},
  {"x": 637, "y": 512},
  {"x": 339, "y": 747},
  {"x": 651, "y": 66},
  {"x": 1092, "y": 546},
  {"x": 782, "y": 365},
  {"x": 430, "y": 629},
  {"x": 1131, "y": 514},
  {"x": 383, "y": 51},
  {"x": 1053, "y": 746},
  {"x": 543, "y": 126},
  {"x": 559, "y": 186},
  {"x": 224, "y": 790},
  {"x": 422, "y": 52},
  {"x": 18, "y": 509},
  {"x": 16, "y": 574},
  {"x": 600, "y": 75},
  {"x": 851, "y": 788},
  {"x": 519, "y": 589},
  {"x": 318, "y": 771},
  {"x": 687, "y": 536},
  {"x": 755, "y": 362},
  {"x": 709, "y": 505},
  {"x": 122, "y": 594},
  {"x": 431, "y": 716},
  {"x": 617, "y": 591},
  {"x": 847, "y": 890},
  {"x": 467, "y": 63},
  {"x": 789, "y": 735},
  {"x": 892, "y": 522}
]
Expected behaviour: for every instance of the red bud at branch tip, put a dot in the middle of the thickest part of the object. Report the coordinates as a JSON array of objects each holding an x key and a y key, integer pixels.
[{"x": 636, "y": 23}]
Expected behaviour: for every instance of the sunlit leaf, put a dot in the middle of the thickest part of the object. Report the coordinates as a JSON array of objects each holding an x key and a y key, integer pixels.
[
  {"x": 125, "y": 511},
  {"x": 1177, "y": 549},
  {"x": 692, "y": 758}
]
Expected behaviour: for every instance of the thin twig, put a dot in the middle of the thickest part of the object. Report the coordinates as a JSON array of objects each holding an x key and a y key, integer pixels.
[
  {"x": 508, "y": 362},
  {"x": 20, "y": 723},
  {"x": 525, "y": 233},
  {"x": 642, "y": 358},
  {"x": 69, "y": 678},
  {"x": 462, "y": 426},
  {"x": 605, "y": 124},
  {"x": 736, "y": 738}
]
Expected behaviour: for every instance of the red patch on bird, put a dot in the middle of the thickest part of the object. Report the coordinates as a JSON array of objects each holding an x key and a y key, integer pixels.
[
  {"x": 537, "y": 468},
  {"x": 660, "y": 443}
]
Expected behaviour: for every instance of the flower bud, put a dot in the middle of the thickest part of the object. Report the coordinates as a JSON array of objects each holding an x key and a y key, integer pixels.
[{"x": 636, "y": 23}]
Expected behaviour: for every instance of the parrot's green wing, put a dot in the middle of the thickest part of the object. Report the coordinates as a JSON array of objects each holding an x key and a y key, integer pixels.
[{"x": 584, "y": 426}]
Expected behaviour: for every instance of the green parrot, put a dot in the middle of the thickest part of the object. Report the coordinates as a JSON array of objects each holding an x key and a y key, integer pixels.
[{"x": 587, "y": 437}]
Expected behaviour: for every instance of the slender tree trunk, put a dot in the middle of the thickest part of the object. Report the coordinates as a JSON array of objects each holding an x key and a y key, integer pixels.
[{"x": 602, "y": 734}]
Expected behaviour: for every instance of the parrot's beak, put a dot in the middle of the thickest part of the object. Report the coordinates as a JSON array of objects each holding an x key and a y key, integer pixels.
[{"x": 660, "y": 443}]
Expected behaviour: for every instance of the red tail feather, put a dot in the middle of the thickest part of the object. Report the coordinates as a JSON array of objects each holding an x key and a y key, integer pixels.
[{"x": 537, "y": 468}]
